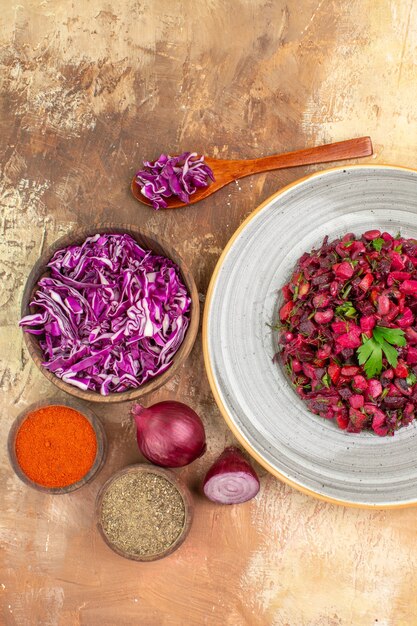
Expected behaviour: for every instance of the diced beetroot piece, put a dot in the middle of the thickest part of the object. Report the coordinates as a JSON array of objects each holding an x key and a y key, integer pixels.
[
  {"x": 382, "y": 431},
  {"x": 296, "y": 366},
  {"x": 350, "y": 370},
  {"x": 329, "y": 414},
  {"x": 401, "y": 371},
  {"x": 364, "y": 265},
  {"x": 369, "y": 408},
  {"x": 401, "y": 302},
  {"x": 324, "y": 317},
  {"x": 286, "y": 337},
  {"x": 285, "y": 311},
  {"x": 394, "y": 311},
  {"x": 374, "y": 388},
  {"x": 324, "y": 351},
  {"x": 411, "y": 335},
  {"x": 342, "y": 250},
  {"x": 392, "y": 392},
  {"x": 373, "y": 296},
  {"x": 295, "y": 279},
  {"x": 388, "y": 374},
  {"x": 348, "y": 237},
  {"x": 411, "y": 355},
  {"x": 357, "y": 418},
  {"x": 356, "y": 401},
  {"x": 342, "y": 421},
  {"x": 366, "y": 282},
  {"x": 408, "y": 287},
  {"x": 343, "y": 380},
  {"x": 334, "y": 288},
  {"x": 309, "y": 370},
  {"x": 413, "y": 260},
  {"x": 303, "y": 289},
  {"x": 394, "y": 277},
  {"x": 406, "y": 319},
  {"x": 360, "y": 383},
  {"x": 370, "y": 235},
  {"x": 379, "y": 423},
  {"x": 349, "y": 340},
  {"x": 403, "y": 387},
  {"x": 334, "y": 372},
  {"x": 356, "y": 250},
  {"x": 340, "y": 327},
  {"x": 387, "y": 237},
  {"x": 343, "y": 270},
  {"x": 397, "y": 261},
  {"x": 321, "y": 301},
  {"x": 286, "y": 292},
  {"x": 383, "y": 305},
  {"x": 367, "y": 322}
]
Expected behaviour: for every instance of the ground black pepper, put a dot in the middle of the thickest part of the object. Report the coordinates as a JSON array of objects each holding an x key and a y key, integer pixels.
[{"x": 142, "y": 513}]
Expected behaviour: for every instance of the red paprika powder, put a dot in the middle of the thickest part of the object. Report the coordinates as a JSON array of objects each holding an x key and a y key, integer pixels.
[{"x": 56, "y": 446}]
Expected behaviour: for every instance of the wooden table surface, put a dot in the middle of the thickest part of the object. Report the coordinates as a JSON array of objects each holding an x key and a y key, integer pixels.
[{"x": 89, "y": 89}]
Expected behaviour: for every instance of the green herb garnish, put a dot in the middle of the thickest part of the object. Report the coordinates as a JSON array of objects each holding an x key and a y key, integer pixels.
[
  {"x": 326, "y": 380},
  {"x": 384, "y": 393},
  {"x": 378, "y": 243},
  {"x": 346, "y": 291},
  {"x": 347, "y": 244},
  {"x": 371, "y": 351},
  {"x": 399, "y": 248},
  {"x": 411, "y": 379},
  {"x": 346, "y": 310}
]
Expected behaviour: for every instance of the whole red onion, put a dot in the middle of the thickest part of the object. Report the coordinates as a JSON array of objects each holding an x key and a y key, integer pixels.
[{"x": 169, "y": 433}]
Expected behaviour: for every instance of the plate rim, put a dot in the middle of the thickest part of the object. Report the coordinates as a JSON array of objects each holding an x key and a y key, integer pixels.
[{"x": 206, "y": 355}]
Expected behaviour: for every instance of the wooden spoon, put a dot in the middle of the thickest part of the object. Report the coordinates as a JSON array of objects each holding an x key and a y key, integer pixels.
[{"x": 226, "y": 171}]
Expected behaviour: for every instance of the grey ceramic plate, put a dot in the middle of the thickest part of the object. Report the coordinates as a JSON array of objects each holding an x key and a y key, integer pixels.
[{"x": 252, "y": 392}]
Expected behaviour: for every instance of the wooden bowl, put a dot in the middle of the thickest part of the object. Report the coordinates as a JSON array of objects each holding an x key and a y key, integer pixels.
[
  {"x": 172, "y": 478},
  {"x": 101, "y": 445},
  {"x": 147, "y": 241}
]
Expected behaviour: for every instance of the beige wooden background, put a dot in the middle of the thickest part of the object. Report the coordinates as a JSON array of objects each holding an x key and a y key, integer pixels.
[{"x": 89, "y": 89}]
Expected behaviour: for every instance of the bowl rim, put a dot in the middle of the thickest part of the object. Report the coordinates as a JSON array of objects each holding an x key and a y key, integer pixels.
[
  {"x": 90, "y": 416},
  {"x": 205, "y": 340},
  {"x": 78, "y": 235},
  {"x": 174, "y": 480}
]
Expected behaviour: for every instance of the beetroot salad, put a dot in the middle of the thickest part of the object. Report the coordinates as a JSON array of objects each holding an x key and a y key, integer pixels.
[{"x": 348, "y": 331}]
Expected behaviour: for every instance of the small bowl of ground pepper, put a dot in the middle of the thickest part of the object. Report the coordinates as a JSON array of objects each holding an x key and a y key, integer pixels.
[
  {"x": 144, "y": 513},
  {"x": 57, "y": 447}
]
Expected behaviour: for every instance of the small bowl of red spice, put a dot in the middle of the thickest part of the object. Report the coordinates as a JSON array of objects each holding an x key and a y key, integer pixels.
[{"x": 57, "y": 447}]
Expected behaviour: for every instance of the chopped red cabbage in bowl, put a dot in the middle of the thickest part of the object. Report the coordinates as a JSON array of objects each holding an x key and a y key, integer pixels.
[
  {"x": 348, "y": 331},
  {"x": 110, "y": 315},
  {"x": 168, "y": 176}
]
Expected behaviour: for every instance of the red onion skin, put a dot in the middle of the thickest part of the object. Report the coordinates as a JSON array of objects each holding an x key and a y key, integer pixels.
[
  {"x": 169, "y": 434},
  {"x": 231, "y": 460}
]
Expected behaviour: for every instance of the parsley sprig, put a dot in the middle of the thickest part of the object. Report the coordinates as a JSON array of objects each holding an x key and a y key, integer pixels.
[
  {"x": 371, "y": 351},
  {"x": 346, "y": 310}
]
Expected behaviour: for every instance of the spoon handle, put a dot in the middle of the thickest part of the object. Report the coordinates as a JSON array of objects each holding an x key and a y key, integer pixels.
[{"x": 349, "y": 149}]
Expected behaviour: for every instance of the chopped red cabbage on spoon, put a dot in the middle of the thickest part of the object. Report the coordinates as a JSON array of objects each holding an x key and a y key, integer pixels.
[
  {"x": 111, "y": 315},
  {"x": 168, "y": 176},
  {"x": 348, "y": 331}
]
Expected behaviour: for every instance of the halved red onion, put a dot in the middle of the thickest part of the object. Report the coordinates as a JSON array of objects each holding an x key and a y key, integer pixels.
[{"x": 231, "y": 479}]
